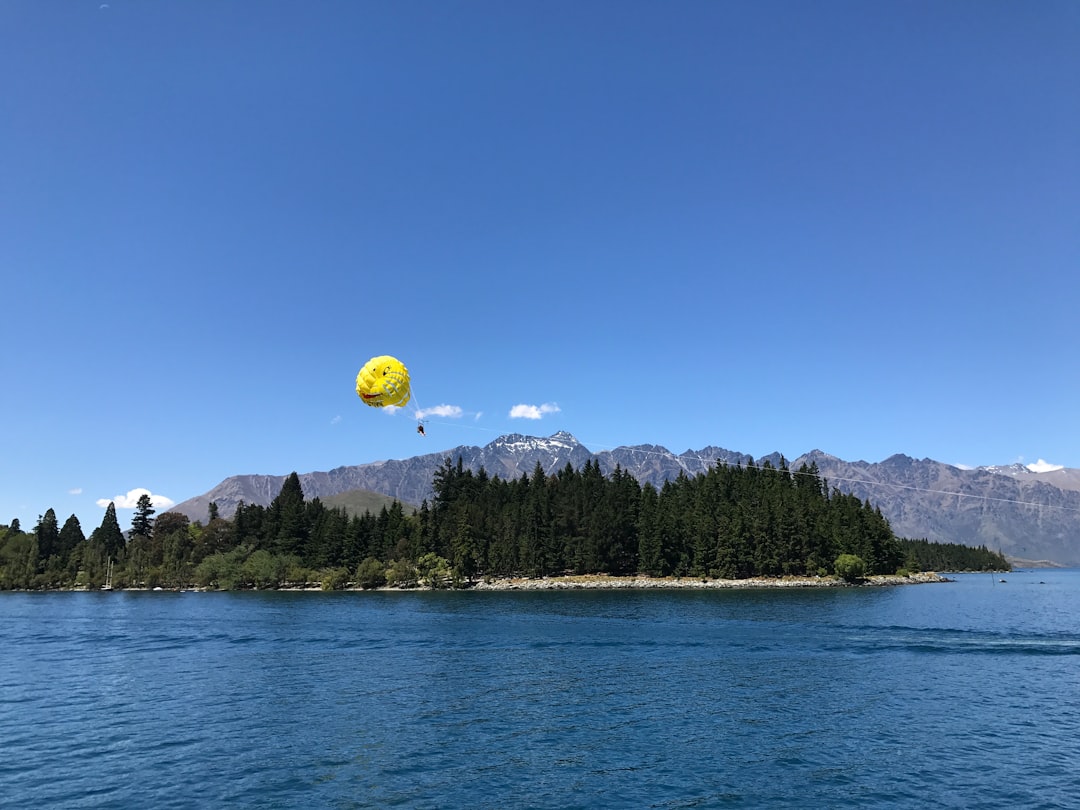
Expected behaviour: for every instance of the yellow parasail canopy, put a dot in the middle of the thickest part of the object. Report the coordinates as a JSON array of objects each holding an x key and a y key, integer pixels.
[{"x": 383, "y": 381}]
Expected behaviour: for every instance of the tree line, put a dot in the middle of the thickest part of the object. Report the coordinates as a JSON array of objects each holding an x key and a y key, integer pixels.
[
  {"x": 953, "y": 557},
  {"x": 730, "y": 522}
]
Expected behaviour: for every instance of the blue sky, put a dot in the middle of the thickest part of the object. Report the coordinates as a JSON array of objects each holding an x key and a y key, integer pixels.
[{"x": 766, "y": 226}]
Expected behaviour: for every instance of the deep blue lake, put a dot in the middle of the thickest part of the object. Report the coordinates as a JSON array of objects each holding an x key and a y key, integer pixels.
[{"x": 962, "y": 694}]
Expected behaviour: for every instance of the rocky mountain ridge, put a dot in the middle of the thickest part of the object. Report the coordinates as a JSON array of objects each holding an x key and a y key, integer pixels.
[{"x": 1030, "y": 516}]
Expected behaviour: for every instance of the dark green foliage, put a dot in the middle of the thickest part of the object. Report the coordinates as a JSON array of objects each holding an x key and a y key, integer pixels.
[
  {"x": 174, "y": 541},
  {"x": 730, "y": 521},
  {"x": 142, "y": 524},
  {"x": 70, "y": 537},
  {"x": 247, "y": 526},
  {"x": 286, "y": 527},
  {"x": 922, "y": 555},
  {"x": 327, "y": 527},
  {"x": 650, "y": 549},
  {"x": 172, "y": 523},
  {"x": 47, "y": 532},
  {"x": 465, "y": 547},
  {"x": 108, "y": 534},
  {"x": 217, "y": 536}
]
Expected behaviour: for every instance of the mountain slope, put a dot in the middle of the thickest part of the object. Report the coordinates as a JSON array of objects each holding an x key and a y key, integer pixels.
[
  {"x": 1027, "y": 515},
  {"x": 359, "y": 501}
]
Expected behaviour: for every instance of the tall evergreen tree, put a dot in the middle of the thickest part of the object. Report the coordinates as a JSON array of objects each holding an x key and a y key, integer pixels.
[
  {"x": 142, "y": 524},
  {"x": 325, "y": 536},
  {"x": 650, "y": 552},
  {"x": 465, "y": 549},
  {"x": 70, "y": 536},
  {"x": 286, "y": 518},
  {"x": 47, "y": 533},
  {"x": 247, "y": 524},
  {"x": 108, "y": 534},
  {"x": 622, "y": 500}
]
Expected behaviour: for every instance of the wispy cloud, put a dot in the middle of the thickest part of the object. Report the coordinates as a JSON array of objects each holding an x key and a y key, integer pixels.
[
  {"x": 1041, "y": 466},
  {"x": 533, "y": 411},
  {"x": 75, "y": 491},
  {"x": 131, "y": 500},
  {"x": 446, "y": 411},
  {"x": 336, "y": 420}
]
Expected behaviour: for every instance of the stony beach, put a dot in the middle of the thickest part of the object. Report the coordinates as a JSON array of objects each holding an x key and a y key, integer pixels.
[{"x": 644, "y": 582}]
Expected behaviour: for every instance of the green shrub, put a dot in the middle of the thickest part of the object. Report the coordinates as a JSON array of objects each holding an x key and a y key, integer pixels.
[
  {"x": 263, "y": 570},
  {"x": 402, "y": 574},
  {"x": 370, "y": 574},
  {"x": 221, "y": 570},
  {"x": 434, "y": 571},
  {"x": 335, "y": 579},
  {"x": 849, "y": 567}
]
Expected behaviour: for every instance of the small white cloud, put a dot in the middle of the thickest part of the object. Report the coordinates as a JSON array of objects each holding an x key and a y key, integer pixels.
[
  {"x": 478, "y": 415},
  {"x": 533, "y": 411},
  {"x": 448, "y": 411},
  {"x": 131, "y": 500},
  {"x": 963, "y": 466},
  {"x": 1041, "y": 466},
  {"x": 75, "y": 491},
  {"x": 336, "y": 420}
]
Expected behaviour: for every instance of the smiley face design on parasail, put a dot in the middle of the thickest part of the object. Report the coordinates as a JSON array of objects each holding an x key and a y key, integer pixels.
[{"x": 383, "y": 381}]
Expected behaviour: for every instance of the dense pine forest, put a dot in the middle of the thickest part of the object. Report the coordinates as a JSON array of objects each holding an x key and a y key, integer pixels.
[{"x": 732, "y": 522}]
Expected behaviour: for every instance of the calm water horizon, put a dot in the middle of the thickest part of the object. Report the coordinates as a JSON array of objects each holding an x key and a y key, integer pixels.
[{"x": 960, "y": 694}]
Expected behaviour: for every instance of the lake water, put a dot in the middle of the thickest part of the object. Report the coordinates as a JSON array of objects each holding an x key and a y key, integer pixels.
[{"x": 964, "y": 694}]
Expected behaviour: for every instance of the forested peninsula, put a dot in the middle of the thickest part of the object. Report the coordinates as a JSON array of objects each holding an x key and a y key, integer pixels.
[{"x": 731, "y": 524}]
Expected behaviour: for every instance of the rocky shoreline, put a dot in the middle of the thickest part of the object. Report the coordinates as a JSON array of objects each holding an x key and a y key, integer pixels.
[
  {"x": 605, "y": 582},
  {"x": 643, "y": 582}
]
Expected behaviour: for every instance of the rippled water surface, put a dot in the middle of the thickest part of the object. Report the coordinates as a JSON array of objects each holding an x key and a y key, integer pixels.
[{"x": 965, "y": 694}]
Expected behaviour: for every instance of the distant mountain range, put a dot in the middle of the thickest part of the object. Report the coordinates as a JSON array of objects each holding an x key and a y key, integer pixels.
[{"x": 1033, "y": 517}]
